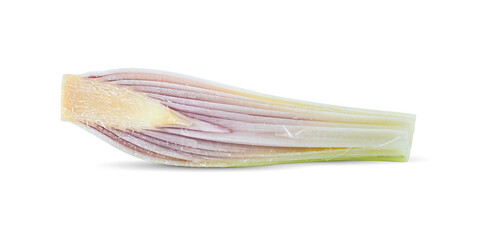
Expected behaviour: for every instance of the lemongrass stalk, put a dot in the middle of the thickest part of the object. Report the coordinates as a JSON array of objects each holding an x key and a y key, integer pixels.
[{"x": 180, "y": 120}]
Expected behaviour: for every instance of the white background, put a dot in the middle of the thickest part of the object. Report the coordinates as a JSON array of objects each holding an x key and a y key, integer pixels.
[{"x": 430, "y": 58}]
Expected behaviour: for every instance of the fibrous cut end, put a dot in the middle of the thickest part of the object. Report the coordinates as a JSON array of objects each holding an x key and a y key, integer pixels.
[{"x": 94, "y": 102}]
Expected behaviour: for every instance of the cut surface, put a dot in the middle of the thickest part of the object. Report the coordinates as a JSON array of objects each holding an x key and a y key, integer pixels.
[{"x": 91, "y": 101}]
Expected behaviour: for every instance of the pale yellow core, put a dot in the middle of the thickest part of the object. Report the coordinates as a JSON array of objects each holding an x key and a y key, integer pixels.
[{"x": 92, "y": 101}]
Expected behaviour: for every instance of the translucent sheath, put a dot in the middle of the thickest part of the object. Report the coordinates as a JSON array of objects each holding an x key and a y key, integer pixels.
[{"x": 180, "y": 120}]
